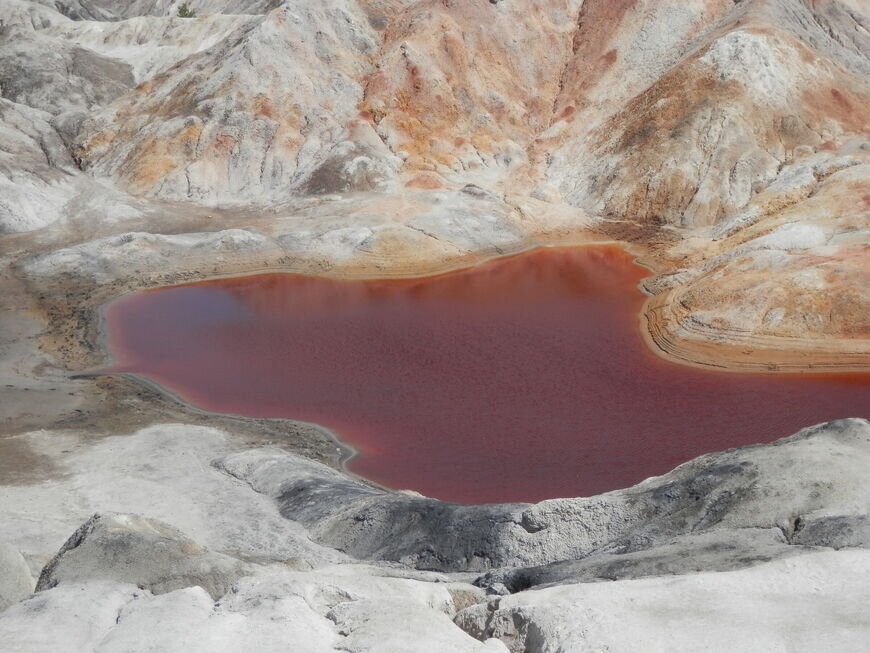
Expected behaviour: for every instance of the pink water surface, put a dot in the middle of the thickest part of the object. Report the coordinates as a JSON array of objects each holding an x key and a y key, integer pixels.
[{"x": 522, "y": 379}]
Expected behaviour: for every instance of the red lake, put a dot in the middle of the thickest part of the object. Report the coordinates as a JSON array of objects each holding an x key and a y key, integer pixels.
[{"x": 521, "y": 379}]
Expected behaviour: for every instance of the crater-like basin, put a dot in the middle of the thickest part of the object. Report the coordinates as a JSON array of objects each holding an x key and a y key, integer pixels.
[{"x": 521, "y": 379}]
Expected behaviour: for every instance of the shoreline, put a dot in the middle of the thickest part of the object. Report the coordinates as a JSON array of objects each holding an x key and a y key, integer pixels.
[
  {"x": 708, "y": 354},
  {"x": 347, "y": 451},
  {"x": 71, "y": 309}
]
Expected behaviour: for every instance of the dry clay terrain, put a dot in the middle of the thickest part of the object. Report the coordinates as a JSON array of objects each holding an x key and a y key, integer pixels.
[
  {"x": 725, "y": 142},
  {"x": 726, "y": 139}
]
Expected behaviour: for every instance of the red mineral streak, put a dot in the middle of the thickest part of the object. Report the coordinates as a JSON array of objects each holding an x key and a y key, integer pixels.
[{"x": 522, "y": 379}]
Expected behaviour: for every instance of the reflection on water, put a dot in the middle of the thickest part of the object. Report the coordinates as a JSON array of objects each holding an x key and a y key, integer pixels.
[{"x": 522, "y": 379}]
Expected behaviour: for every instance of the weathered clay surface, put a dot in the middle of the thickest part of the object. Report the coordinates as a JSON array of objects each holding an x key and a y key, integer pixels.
[
  {"x": 143, "y": 552},
  {"x": 761, "y": 514},
  {"x": 230, "y": 124},
  {"x": 30, "y": 14},
  {"x": 35, "y": 169},
  {"x": 16, "y": 583},
  {"x": 808, "y": 603},
  {"x": 57, "y": 76},
  {"x": 162, "y": 472},
  {"x": 149, "y": 45},
  {"x": 706, "y": 122},
  {"x": 711, "y": 122}
]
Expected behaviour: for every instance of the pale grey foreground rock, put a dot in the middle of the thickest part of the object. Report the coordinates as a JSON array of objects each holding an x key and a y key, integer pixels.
[
  {"x": 398, "y": 626},
  {"x": 716, "y": 550},
  {"x": 163, "y": 472},
  {"x": 806, "y": 604},
  {"x": 816, "y": 476},
  {"x": 15, "y": 580},
  {"x": 345, "y": 608},
  {"x": 836, "y": 531},
  {"x": 720, "y": 511},
  {"x": 65, "y": 619},
  {"x": 736, "y": 509},
  {"x": 128, "y": 583},
  {"x": 144, "y": 552}
]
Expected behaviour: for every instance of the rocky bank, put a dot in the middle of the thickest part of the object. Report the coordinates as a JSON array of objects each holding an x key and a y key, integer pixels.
[{"x": 764, "y": 546}]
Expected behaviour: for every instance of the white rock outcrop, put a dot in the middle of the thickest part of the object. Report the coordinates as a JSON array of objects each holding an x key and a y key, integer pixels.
[
  {"x": 809, "y": 603},
  {"x": 783, "y": 524},
  {"x": 143, "y": 552},
  {"x": 16, "y": 582}
]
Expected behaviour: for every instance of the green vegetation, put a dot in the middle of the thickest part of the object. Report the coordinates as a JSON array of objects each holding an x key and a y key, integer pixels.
[{"x": 186, "y": 12}]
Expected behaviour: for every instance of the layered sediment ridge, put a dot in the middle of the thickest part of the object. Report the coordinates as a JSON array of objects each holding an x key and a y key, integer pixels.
[{"x": 671, "y": 329}]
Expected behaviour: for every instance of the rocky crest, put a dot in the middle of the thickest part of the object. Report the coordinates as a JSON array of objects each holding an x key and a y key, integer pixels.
[{"x": 300, "y": 548}]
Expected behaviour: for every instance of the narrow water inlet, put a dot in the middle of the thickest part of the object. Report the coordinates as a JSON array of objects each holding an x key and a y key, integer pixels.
[{"x": 521, "y": 379}]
